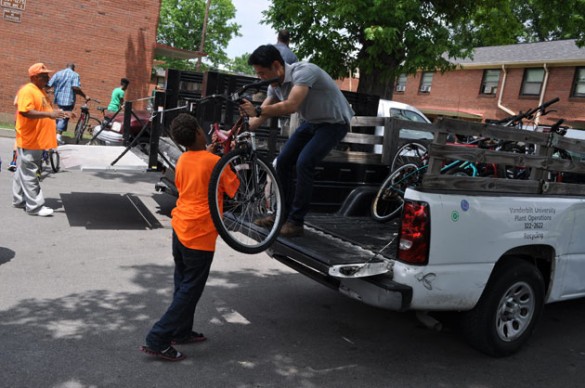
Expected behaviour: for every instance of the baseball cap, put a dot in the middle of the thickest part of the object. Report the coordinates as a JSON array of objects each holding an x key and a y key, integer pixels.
[{"x": 38, "y": 68}]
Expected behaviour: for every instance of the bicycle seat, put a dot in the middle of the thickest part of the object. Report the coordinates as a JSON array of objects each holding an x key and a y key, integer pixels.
[{"x": 101, "y": 108}]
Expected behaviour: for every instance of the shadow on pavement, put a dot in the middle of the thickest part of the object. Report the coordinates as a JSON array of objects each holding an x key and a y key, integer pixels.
[
  {"x": 6, "y": 255},
  {"x": 108, "y": 211}
]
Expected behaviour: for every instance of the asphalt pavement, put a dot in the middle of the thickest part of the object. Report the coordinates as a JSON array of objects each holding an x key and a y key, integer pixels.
[{"x": 79, "y": 291}]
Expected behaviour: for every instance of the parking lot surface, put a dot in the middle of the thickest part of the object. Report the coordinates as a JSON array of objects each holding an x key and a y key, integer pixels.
[{"x": 79, "y": 291}]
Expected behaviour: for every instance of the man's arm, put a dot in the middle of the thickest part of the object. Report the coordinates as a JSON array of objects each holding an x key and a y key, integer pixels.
[
  {"x": 270, "y": 108},
  {"x": 37, "y": 114},
  {"x": 77, "y": 90}
]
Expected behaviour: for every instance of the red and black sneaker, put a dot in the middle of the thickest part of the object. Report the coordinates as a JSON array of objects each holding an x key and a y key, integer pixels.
[
  {"x": 192, "y": 338},
  {"x": 169, "y": 354}
]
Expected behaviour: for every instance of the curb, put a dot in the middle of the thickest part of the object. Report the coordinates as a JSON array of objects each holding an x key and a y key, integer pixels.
[{"x": 5, "y": 132}]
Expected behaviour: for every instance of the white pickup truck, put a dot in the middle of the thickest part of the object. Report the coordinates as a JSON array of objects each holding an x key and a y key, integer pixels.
[{"x": 496, "y": 250}]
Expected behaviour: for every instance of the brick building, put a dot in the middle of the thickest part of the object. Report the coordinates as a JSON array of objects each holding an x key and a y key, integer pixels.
[
  {"x": 502, "y": 80},
  {"x": 106, "y": 39}
]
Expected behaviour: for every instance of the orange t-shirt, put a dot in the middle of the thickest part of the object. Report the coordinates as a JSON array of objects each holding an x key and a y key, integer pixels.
[
  {"x": 191, "y": 219},
  {"x": 34, "y": 134}
]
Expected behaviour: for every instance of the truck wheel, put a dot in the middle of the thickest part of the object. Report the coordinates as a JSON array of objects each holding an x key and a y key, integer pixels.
[{"x": 507, "y": 312}]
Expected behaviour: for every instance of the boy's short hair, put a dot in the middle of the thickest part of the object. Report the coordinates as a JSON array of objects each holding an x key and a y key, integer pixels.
[
  {"x": 264, "y": 56},
  {"x": 184, "y": 129},
  {"x": 125, "y": 81}
]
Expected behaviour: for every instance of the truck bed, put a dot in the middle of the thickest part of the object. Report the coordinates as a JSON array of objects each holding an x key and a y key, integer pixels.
[{"x": 332, "y": 239}]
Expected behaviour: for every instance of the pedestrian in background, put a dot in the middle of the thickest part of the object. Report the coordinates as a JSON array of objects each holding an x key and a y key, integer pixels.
[
  {"x": 66, "y": 85},
  {"x": 194, "y": 237},
  {"x": 117, "y": 100},
  {"x": 35, "y": 132},
  {"x": 283, "y": 40}
]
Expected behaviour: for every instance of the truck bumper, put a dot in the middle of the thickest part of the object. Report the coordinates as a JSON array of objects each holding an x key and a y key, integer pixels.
[{"x": 379, "y": 291}]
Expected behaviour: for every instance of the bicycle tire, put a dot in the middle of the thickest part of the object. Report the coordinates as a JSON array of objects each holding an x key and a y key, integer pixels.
[
  {"x": 55, "y": 160},
  {"x": 251, "y": 201},
  {"x": 80, "y": 128},
  {"x": 413, "y": 153},
  {"x": 389, "y": 199}
]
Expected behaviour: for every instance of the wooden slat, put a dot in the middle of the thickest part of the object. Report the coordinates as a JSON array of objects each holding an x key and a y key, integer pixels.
[
  {"x": 366, "y": 121},
  {"x": 480, "y": 184},
  {"x": 361, "y": 138},
  {"x": 353, "y": 157},
  {"x": 553, "y": 188},
  {"x": 468, "y": 128}
]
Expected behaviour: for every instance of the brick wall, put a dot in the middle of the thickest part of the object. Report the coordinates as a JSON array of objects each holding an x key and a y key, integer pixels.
[{"x": 107, "y": 40}]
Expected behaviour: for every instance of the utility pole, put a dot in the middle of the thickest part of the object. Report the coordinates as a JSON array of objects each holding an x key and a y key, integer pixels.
[{"x": 203, "y": 31}]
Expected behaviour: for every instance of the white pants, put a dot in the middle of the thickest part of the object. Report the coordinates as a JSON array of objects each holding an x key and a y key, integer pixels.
[{"x": 26, "y": 188}]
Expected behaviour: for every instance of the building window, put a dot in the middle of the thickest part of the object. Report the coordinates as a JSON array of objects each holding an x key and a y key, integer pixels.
[
  {"x": 489, "y": 85},
  {"x": 532, "y": 82},
  {"x": 401, "y": 83},
  {"x": 579, "y": 83},
  {"x": 426, "y": 81}
]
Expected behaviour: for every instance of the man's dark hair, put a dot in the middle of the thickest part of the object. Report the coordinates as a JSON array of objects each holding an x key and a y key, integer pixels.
[
  {"x": 265, "y": 55},
  {"x": 125, "y": 81},
  {"x": 184, "y": 129},
  {"x": 284, "y": 36}
]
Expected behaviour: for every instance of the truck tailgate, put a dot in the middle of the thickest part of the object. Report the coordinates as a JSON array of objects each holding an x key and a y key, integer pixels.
[{"x": 331, "y": 239}]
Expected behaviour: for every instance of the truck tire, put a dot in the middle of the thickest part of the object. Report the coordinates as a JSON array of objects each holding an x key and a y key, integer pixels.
[{"x": 507, "y": 312}]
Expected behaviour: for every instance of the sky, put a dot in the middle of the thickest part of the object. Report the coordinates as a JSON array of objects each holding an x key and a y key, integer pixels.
[{"x": 254, "y": 34}]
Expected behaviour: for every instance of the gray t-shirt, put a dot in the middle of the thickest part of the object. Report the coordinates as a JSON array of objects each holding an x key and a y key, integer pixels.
[
  {"x": 324, "y": 103},
  {"x": 285, "y": 52}
]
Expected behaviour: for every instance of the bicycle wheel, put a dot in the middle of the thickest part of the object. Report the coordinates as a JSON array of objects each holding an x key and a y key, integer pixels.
[
  {"x": 259, "y": 195},
  {"x": 80, "y": 128},
  {"x": 414, "y": 153},
  {"x": 55, "y": 160},
  {"x": 390, "y": 197}
]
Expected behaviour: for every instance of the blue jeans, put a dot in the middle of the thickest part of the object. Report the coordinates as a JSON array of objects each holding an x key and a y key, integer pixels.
[
  {"x": 191, "y": 273},
  {"x": 62, "y": 123},
  {"x": 307, "y": 146}
]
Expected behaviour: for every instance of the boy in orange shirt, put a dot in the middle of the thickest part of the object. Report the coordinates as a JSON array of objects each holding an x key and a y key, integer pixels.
[{"x": 194, "y": 237}]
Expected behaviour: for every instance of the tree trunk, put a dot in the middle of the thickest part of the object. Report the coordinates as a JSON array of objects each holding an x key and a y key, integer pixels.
[{"x": 370, "y": 83}]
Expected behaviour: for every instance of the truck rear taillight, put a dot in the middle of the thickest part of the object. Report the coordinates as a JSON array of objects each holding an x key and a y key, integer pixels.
[{"x": 415, "y": 233}]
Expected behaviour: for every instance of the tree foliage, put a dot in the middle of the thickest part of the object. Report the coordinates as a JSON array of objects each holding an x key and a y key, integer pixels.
[
  {"x": 385, "y": 38},
  {"x": 181, "y": 25},
  {"x": 528, "y": 21},
  {"x": 239, "y": 65}
]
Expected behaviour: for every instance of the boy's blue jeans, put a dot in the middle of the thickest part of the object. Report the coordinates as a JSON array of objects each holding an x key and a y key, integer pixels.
[
  {"x": 191, "y": 273},
  {"x": 307, "y": 146}
]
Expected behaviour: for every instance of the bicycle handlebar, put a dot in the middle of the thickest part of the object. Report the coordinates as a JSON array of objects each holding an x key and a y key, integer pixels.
[
  {"x": 93, "y": 99},
  {"x": 529, "y": 113},
  {"x": 541, "y": 108},
  {"x": 256, "y": 85}
]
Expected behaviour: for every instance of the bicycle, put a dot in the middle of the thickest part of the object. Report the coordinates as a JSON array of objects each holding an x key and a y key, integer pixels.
[
  {"x": 50, "y": 158},
  {"x": 259, "y": 193},
  {"x": 86, "y": 121}
]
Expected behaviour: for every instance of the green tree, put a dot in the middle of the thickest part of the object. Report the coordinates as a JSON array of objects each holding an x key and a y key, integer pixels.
[
  {"x": 181, "y": 24},
  {"x": 239, "y": 65},
  {"x": 386, "y": 38},
  {"x": 519, "y": 21}
]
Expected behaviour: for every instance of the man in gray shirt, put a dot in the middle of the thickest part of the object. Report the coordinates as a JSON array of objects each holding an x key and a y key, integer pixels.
[
  {"x": 282, "y": 43},
  {"x": 324, "y": 113}
]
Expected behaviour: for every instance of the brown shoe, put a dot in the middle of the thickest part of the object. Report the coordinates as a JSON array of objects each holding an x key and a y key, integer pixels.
[
  {"x": 265, "y": 222},
  {"x": 290, "y": 229}
]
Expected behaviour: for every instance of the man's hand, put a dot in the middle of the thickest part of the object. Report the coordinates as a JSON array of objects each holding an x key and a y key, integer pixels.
[
  {"x": 58, "y": 114},
  {"x": 247, "y": 108}
]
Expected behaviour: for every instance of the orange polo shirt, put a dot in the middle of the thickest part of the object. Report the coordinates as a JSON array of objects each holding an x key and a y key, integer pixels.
[
  {"x": 34, "y": 134},
  {"x": 191, "y": 219}
]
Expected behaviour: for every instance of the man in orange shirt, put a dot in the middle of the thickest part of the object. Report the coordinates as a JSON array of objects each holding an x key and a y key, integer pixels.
[
  {"x": 194, "y": 237},
  {"x": 35, "y": 132}
]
